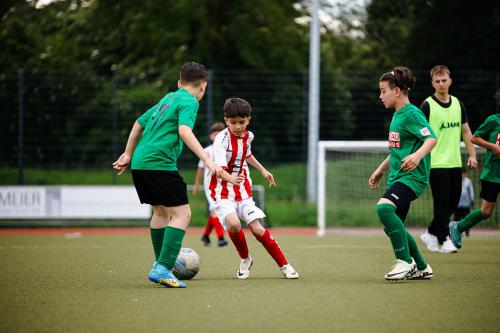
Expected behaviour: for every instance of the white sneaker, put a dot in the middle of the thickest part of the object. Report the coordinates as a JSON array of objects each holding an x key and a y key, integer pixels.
[
  {"x": 448, "y": 246},
  {"x": 424, "y": 274},
  {"x": 400, "y": 270},
  {"x": 289, "y": 272},
  {"x": 244, "y": 270},
  {"x": 430, "y": 241}
]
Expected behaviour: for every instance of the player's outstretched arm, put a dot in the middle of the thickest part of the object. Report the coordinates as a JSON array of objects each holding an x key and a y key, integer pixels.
[
  {"x": 266, "y": 174},
  {"x": 495, "y": 149},
  {"x": 122, "y": 163},
  {"x": 411, "y": 161},
  {"x": 374, "y": 180},
  {"x": 186, "y": 134}
]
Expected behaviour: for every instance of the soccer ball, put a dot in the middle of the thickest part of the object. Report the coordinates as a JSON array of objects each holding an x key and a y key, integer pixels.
[{"x": 187, "y": 264}]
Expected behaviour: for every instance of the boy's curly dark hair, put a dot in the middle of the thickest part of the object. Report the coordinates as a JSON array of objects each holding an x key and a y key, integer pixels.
[{"x": 237, "y": 107}]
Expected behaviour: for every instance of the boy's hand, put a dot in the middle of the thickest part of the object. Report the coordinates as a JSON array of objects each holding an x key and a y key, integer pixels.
[
  {"x": 214, "y": 168},
  {"x": 196, "y": 189},
  {"x": 238, "y": 180},
  {"x": 410, "y": 162},
  {"x": 472, "y": 163},
  {"x": 496, "y": 151},
  {"x": 269, "y": 177},
  {"x": 374, "y": 180},
  {"x": 122, "y": 163}
]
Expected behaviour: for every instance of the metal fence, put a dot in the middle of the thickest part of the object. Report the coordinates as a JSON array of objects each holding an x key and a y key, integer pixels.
[{"x": 65, "y": 119}]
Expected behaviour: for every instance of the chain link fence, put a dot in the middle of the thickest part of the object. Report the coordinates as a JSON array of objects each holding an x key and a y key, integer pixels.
[{"x": 53, "y": 119}]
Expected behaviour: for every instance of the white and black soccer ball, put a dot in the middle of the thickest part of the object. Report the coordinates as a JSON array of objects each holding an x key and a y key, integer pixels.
[{"x": 187, "y": 264}]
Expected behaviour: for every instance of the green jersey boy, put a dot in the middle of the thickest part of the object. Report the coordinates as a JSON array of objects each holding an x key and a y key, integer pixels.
[
  {"x": 486, "y": 136},
  {"x": 410, "y": 141},
  {"x": 152, "y": 150}
]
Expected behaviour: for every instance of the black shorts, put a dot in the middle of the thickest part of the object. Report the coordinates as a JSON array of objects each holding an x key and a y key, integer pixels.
[
  {"x": 157, "y": 187},
  {"x": 489, "y": 191},
  {"x": 401, "y": 196}
]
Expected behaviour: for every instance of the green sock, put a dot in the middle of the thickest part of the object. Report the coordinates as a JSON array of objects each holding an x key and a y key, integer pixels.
[
  {"x": 172, "y": 243},
  {"x": 157, "y": 240},
  {"x": 470, "y": 220},
  {"x": 396, "y": 231},
  {"x": 415, "y": 253}
]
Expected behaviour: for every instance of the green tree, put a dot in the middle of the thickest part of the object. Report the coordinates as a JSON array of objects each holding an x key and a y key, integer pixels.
[{"x": 422, "y": 33}]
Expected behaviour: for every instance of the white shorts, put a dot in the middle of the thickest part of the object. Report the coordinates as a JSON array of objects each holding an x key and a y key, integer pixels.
[{"x": 245, "y": 209}]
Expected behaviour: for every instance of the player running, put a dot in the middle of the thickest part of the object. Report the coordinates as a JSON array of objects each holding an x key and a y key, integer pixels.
[
  {"x": 486, "y": 136},
  {"x": 410, "y": 141},
  {"x": 232, "y": 192}
]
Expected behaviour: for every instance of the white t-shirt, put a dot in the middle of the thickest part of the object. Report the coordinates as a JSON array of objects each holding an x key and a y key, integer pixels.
[
  {"x": 467, "y": 197},
  {"x": 230, "y": 152}
]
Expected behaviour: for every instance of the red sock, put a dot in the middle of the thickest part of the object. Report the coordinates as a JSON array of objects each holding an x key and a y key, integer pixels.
[
  {"x": 219, "y": 230},
  {"x": 240, "y": 243},
  {"x": 272, "y": 247},
  {"x": 208, "y": 227}
]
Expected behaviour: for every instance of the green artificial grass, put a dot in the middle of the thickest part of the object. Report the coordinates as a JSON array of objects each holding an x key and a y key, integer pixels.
[{"x": 97, "y": 283}]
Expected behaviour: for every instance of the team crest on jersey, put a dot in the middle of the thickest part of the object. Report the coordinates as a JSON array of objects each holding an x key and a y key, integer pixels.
[
  {"x": 425, "y": 131},
  {"x": 394, "y": 141},
  {"x": 498, "y": 138}
]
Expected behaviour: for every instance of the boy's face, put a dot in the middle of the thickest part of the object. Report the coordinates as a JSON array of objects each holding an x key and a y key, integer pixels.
[
  {"x": 387, "y": 95},
  {"x": 213, "y": 135},
  {"x": 237, "y": 125},
  {"x": 201, "y": 92},
  {"x": 441, "y": 83}
]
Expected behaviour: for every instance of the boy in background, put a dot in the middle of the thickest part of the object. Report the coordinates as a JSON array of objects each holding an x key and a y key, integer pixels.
[
  {"x": 466, "y": 199},
  {"x": 486, "y": 136},
  {"x": 213, "y": 221},
  {"x": 448, "y": 119}
]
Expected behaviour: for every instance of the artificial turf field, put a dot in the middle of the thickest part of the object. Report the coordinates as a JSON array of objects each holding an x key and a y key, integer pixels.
[{"x": 97, "y": 283}]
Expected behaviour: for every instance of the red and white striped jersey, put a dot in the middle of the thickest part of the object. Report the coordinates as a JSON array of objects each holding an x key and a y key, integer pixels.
[{"x": 230, "y": 152}]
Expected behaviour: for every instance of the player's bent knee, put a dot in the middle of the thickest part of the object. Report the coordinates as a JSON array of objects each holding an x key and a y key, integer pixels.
[
  {"x": 256, "y": 228},
  {"x": 487, "y": 212},
  {"x": 385, "y": 209},
  {"x": 233, "y": 224}
]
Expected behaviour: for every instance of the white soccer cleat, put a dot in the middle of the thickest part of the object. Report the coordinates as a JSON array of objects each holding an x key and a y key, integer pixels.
[
  {"x": 401, "y": 270},
  {"x": 244, "y": 270},
  {"x": 289, "y": 272},
  {"x": 430, "y": 241},
  {"x": 424, "y": 274},
  {"x": 448, "y": 246}
]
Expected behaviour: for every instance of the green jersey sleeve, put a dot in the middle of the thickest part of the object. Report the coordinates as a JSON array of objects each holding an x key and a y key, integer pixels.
[
  {"x": 187, "y": 114},
  {"x": 143, "y": 120},
  {"x": 419, "y": 126},
  {"x": 485, "y": 129}
]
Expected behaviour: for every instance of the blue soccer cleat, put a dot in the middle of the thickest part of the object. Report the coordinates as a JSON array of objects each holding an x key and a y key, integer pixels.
[
  {"x": 162, "y": 275},
  {"x": 455, "y": 235}
]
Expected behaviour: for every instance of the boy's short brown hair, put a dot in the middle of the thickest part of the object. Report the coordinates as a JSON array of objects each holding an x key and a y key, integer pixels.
[
  {"x": 193, "y": 72},
  {"x": 217, "y": 127},
  {"x": 237, "y": 107},
  {"x": 439, "y": 69}
]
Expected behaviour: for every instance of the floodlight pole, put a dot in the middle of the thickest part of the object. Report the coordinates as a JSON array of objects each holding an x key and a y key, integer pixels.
[{"x": 313, "y": 128}]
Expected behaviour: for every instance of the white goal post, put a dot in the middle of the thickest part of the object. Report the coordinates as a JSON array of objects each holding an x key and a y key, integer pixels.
[
  {"x": 347, "y": 165},
  {"x": 323, "y": 146}
]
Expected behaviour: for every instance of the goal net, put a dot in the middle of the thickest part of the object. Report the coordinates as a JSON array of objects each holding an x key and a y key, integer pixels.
[{"x": 346, "y": 200}]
